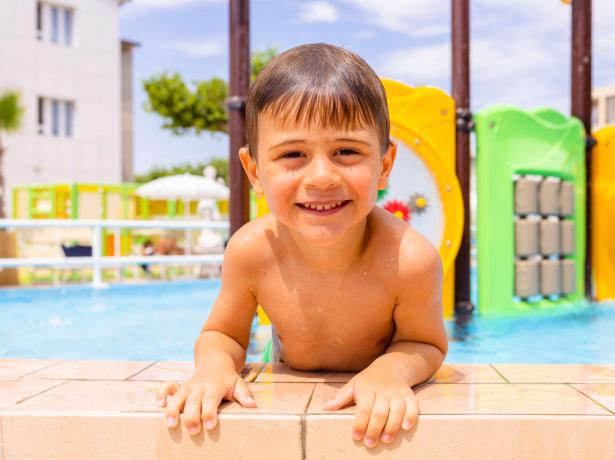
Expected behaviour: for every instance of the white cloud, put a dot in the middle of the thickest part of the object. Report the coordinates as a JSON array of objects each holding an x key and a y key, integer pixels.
[
  {"x": 319, "y": 11},
  {"x": 412, "y": 17},
  {"x": 136, "y": 7},
  {"x": 200, "y": 48}
]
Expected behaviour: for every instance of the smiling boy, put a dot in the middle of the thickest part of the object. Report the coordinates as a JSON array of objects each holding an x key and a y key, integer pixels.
[{"x": 347, "y": 286}]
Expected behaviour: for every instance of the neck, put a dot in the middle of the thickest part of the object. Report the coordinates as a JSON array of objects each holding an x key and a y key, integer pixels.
[{"x": 339, "y": 256}]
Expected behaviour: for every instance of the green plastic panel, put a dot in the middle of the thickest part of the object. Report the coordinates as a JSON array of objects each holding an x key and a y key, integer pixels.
[{"x": 509, "y": 143}]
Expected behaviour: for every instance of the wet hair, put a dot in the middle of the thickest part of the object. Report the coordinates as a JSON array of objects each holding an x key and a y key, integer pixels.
[{"x": 322, "y": 86}]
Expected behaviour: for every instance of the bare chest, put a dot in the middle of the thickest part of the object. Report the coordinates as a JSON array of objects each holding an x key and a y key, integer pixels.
[{"x": 329, "y": 322}]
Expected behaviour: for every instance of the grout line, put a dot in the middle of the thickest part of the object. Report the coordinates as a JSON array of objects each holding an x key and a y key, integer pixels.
[
  {"x": 142, "y": 370},
  {"x": 590, "y": 398},
  {"x": 302, "y": 436},
  {"x": 35, "y": 394},
  {"x": 499, "y": 373},
  {"x": 43, "y": 368}
]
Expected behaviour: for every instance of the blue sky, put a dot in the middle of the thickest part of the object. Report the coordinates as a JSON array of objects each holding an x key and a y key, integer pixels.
[{"x": 520, "y": 51}]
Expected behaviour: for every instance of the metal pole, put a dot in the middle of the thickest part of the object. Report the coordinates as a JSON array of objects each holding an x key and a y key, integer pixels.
[
  {"x": 460, "y": 37},
  {"x": 581, "y": 107},
  {"x": 239, "y": 30}
]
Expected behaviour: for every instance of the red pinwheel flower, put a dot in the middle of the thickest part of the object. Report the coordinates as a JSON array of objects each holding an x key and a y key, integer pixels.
[{"x": 398, "y": 209}]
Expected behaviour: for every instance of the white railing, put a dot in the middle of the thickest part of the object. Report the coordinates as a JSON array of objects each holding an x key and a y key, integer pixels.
[{"x": 97, "y": 261}]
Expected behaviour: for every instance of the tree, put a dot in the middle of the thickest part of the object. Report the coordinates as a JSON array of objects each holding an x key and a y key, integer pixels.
[
  {"x": 11, "y": 113},
  {"x": 199, "y": 109}
]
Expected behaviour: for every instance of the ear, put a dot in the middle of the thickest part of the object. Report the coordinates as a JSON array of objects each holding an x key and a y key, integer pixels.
[
  {"x": 386, "y": 162},
  {"x": 251, "y": 169}
]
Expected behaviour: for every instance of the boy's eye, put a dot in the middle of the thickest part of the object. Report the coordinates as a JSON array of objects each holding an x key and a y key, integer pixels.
[
  {"x": 347, "y": 152},
  {"x": 292, "y": 155}
]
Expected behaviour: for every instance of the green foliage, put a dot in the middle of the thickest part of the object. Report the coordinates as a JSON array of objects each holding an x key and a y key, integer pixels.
[
  {"x": 11, "y": 111},
  {"x": 201, "y": 108},
  {"x": 183, "y": 109},
  {"x": 221, "y": 165},
  {"x": 259, "y": 60}
]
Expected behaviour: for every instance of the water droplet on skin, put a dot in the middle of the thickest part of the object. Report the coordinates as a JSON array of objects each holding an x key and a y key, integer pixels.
[
  {"x": 319, "y": 310},
  {"x": 364, "y": 273}
]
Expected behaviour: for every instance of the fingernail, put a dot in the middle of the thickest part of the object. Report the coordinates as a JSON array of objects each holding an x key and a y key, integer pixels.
[
  {"x": 209, "y": 424},
  {"x": 369, "y": 441},
  {"x": 407, "y": 425},
  {"x": 193, "y": 430},
  {"x": 357, "y": 435},
  {"x": 387, "y": 437},
  {"x": 170, "y": 421}
]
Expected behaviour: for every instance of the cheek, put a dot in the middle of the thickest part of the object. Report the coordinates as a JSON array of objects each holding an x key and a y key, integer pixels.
[{"x": 279, "y": 187}]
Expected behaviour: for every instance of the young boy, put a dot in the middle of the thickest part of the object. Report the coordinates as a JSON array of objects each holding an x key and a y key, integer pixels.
[{"x": 347, "y": 286}]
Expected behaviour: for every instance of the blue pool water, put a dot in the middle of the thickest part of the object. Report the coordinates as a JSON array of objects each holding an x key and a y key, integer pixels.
[{"x": 159, "y": 321}]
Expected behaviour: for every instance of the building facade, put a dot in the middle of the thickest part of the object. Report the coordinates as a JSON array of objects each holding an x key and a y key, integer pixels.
[
  {"x": 603, "y": 107},
  {"x": 65, "y": 58}
]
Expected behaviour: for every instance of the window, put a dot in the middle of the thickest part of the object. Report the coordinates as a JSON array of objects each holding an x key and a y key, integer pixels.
[
  {"x": 68, "y": 118},
  {"x": 56, "y": 117},
  {"x": 610, "y": 110},
  {"x": 54, "y": 23},
  {"x": 41, "y": 115}
]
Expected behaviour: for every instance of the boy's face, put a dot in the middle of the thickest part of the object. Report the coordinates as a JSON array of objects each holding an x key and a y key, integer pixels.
[{"x": 318, "y": 182}]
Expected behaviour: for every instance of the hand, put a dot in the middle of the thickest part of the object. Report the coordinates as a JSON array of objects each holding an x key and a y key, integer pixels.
[
  {"x": 200, "y": 397},
  {"x": 384, "y": 404}
]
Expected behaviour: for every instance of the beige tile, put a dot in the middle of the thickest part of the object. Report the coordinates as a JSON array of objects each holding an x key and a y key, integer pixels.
[
  {"x": 470, "y": 438},
  {"x": 144, "y": 436},
  {"x": 91, "y": 370},
  {"x": 17, "y": 368},
  {"x": 92, "y": 395},
  {"x": 493, "y": 398},
  {"x": 279, "y": 398},
  {"x": 467, "y": 373},
  {"x": 180, "y": 371},
  {"x": 13, "y": 391},
  {"x": 487, "y": 398},
  {"x": 323, "y": 393},
  {"x": 279, "y": 372},
  {"x": 556, "y": 373},
  {"x": 603, "y": 393}
]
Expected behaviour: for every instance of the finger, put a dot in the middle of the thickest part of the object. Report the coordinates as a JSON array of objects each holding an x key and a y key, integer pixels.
[
  {"x": 192, "y": 412},
  {"x": 343, "y": 397},
  {"x": 211, "y": 402},
  {"x": 242, "y": 394},
  {"x": 377, "y": 419},
  {"x": 174, "y": 406},
  {"x": 412, "y": 412},
  {"x": 365, "y": 401},
  {"x": 167, "y": 388},
  {"x": 395, "y": 419}
]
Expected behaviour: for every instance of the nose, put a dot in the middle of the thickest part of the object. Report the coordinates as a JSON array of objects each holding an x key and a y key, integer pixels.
[{"x": 322, "y": 174}]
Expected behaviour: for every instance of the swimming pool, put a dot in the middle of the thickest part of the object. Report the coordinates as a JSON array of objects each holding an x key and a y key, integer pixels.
[{"x": 160, "y": 321}]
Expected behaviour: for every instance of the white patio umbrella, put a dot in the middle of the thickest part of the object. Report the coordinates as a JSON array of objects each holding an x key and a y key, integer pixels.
[{"x": 186, "y": 187}]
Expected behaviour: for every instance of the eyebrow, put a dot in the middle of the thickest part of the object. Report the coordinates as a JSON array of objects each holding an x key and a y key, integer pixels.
[{"x": 298, "y": 141}]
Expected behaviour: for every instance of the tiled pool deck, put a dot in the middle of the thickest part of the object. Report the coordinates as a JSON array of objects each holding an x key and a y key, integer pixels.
[{"x": 107, "y": 409}]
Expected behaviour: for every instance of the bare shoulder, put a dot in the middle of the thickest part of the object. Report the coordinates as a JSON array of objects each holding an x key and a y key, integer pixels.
[
  {"x": 250, "y": 246},
  {"x": 414, "y": 255}
]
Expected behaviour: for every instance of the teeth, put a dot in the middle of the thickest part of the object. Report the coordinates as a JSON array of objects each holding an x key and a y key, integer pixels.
[{"x": 322, "y": 207}]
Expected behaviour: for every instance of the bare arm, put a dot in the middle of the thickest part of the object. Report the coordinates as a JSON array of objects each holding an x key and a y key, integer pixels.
[
  {"x": 382, "y": 391},
  {"x": 420, "y": 343},
  {"x": 220, "y": 349}
]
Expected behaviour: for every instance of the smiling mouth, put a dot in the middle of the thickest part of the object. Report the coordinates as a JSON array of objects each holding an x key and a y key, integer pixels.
[{"x": 324, "y": 208}]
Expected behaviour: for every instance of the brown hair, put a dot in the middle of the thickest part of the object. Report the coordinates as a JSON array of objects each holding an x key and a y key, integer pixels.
[{"x": 321, "y": 85}]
